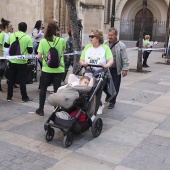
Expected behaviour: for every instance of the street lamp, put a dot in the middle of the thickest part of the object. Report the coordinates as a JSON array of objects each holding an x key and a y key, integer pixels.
[{"x": 113, "y": 13}]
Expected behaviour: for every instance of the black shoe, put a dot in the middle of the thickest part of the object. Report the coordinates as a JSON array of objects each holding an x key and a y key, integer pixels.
[
  {"x": 111, "y": 106},
  {"x": 27, "y": 100},
  {"x": 144, "y": 65},
  {"x": 15, "y": 86},
  {"x": 147, "y": 65},
  {"x": 106, "y": 99},
  {"x": 9, "y": 99},
  {"x": 39, "y": 112}
]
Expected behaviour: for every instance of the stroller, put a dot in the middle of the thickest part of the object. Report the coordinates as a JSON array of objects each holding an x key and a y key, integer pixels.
[{"x": 77, "y": 107}]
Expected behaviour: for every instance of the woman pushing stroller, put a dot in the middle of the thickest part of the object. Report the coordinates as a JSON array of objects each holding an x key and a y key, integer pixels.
[{"x": 96, "y": 53}]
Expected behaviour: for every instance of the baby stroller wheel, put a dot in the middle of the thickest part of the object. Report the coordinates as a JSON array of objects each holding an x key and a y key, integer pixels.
[
  {"x": 50, "y": 134},
  {"x": 68, "y": 139},
  {"x": 97, "y": 126}
]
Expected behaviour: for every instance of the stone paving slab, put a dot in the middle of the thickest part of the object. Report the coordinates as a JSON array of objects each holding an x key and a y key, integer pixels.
[
  {"x": 124, "y": 136},
  {"x": 82, "y": 162},
  {"x": 120, "y": 112},
  {"x": 137, "y": 95},
  {"x": 152, "y": 154},
  {"x": 156, "y": 109},
  {"x": 106, "y": 150},
  {"x": 122, "y": 168},
  {"x": 162, "y": 133},
  {"x": 14, "y": 157},
  {"x": 149, "y": 116},
  {"x": 162, "y": 101},
  {"x": 165, "y": 125},
  {"x": 133, "y": 124}
]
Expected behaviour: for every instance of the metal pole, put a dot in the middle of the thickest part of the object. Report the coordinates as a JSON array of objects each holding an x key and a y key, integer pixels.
[
  {"x": 139, "y": 61},
  {"x": 113, "y": 13},
  {"x": 167, "y": 34}
]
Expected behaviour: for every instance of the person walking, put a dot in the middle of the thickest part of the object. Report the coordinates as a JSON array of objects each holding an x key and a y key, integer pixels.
[
  {"x": 50, "y": 75},
  {"x": 6, "y": 27},
  {"x": 18, "y": 67},
  {"x": 68, "y": 59},
  {"x": 102, "y": 55},
  {"x": 146, "y": 53},
  {"x": 120, "y": 64}
]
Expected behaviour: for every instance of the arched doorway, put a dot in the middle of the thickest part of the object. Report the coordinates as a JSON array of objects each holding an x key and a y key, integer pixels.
[{"x": 148, "y": 24}]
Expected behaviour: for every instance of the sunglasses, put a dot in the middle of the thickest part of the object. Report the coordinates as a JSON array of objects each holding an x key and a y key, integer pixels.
[{"x": 92, "y": 36}]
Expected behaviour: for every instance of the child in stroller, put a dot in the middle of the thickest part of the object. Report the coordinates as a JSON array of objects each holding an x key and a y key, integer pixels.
[
  {"x": 84, "y": 81},
  {"x": 79, "y": 104}
]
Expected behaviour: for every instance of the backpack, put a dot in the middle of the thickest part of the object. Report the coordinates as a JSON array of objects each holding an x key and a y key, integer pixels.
[
  {"x": 137, "y": 43},
  {"x": 15, "y": 47},
  {"x": 53, "y": 58}
]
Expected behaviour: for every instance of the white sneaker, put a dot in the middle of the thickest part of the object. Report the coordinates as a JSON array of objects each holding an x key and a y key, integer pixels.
[
  {"x": 93, "y": 117},
  {"x": 99, "y": 112}
]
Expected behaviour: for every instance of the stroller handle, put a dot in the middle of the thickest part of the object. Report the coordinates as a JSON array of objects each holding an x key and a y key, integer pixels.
[{"x": 93, "y": 65}]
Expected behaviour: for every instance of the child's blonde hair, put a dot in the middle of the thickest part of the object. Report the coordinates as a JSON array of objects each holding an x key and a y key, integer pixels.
[
  {"x": 147, "y": 37},
  {"x": 84, "y": 77}
]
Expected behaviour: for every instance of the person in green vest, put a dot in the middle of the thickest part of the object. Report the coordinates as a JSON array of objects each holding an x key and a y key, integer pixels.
[
  {"x": 18, "y": 67},
  {"x": 146, "y": 53},
  {"x": 50, "y": 75}
]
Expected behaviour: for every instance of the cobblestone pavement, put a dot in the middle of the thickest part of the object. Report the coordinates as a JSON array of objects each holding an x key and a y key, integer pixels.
[{"x": 135, "y": 136}]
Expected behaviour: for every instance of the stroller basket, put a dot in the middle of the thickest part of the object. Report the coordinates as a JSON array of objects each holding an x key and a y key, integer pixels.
[{"x": 61, "y": 122}]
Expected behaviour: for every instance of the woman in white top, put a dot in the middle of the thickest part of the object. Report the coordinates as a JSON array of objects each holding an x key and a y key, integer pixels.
[
  {"x": 96, "y": 53},
  {"x": 6, "y": 26},
  {"x": 37, "y": 34}
]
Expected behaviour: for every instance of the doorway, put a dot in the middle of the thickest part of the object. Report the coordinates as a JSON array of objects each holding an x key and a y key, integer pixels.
[{"x": 148, "y": 24}]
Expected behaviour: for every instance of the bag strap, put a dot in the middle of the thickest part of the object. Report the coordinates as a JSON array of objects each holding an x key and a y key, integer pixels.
[
  {"x": 19, "y": 44},
  {"x": 57, "y": 42},
  {"x": 48, "y": 43},
  {"x": 114, "y": 44},
  {"x": 17, "y": 37},
  {"x": 53, "y": 43}
]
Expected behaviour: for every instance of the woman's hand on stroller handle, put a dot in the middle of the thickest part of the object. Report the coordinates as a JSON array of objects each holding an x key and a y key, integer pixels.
[
  {"x": 105, "y": 66},
  {"x": 84, "y": 64},
  {"x": 94, "y": 65}
]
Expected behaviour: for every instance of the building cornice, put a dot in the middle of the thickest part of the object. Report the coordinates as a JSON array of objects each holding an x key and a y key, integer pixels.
[{"x": 89, "y": 6}]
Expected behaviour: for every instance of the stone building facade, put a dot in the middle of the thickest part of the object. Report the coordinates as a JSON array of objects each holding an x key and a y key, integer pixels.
[{"x": 96, "y": 14}]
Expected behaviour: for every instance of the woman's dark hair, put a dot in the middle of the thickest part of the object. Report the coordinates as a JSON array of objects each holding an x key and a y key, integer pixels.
[
  {"x": 22, "y": 26},
  {"x": 51, "y": 31},
  {"x": 38, "y": 25},
  {"x": 4, "y": 23}
]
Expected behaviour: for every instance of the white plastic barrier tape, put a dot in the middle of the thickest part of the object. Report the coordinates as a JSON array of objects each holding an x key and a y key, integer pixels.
[
  {"x": 152, "y": 49},
  {"x": 29, "y": 56},
  {"x": 75, "y": 52}
]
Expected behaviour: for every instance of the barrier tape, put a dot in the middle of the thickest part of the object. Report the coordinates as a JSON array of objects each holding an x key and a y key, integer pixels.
[
  {"x": 30, "y": 56},
  {"x": 75, "y": 52},
  {"x": 151, "y": 49}
]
